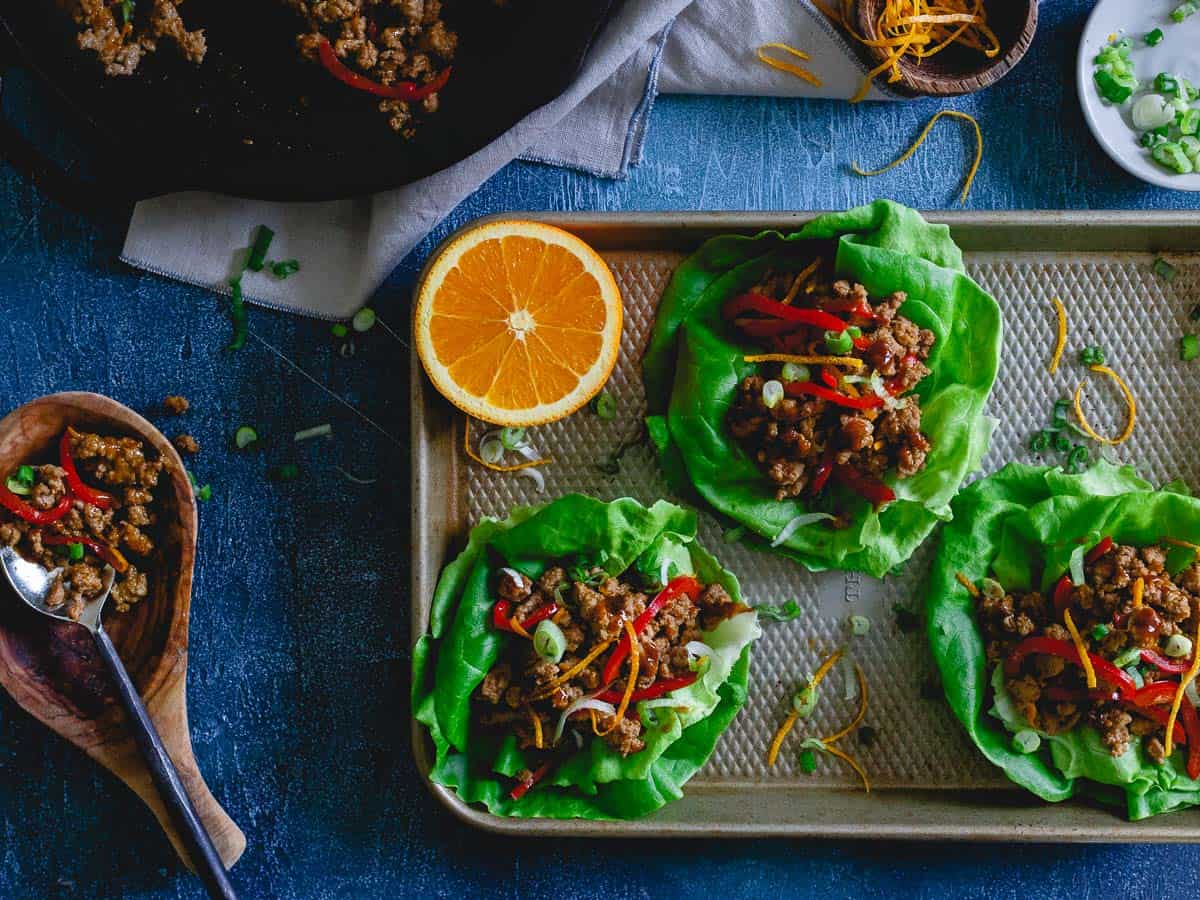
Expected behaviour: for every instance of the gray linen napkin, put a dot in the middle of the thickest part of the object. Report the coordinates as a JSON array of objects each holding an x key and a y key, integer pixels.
[{"x": 347, "y": 248}]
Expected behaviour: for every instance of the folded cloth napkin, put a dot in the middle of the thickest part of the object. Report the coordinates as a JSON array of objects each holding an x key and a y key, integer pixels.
[{"x": 348, "y": 247}]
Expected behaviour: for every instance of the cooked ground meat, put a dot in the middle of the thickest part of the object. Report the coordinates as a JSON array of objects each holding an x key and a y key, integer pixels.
[
  {"x": 803, "y": 439},
  {"x": 119, "y": 467},
  {"x": 387, "y": 41},
  {"x": 187, "y": 444},
  {"x": 1050, "y": 693},
  {"x": 120, "y": 44},
  {"x": 592, "y": 609},
  {"x": 175, "y": 405}
]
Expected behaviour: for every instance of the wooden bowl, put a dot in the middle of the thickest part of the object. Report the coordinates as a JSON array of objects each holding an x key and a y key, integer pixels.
[
  {"x": 52, "y": 669},
  {"x": 957, "y": 69}
]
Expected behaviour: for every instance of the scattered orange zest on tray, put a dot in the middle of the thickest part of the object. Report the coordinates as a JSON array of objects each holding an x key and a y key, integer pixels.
[
  {"x": 497, "y": 467},
  {"x": 1130, "y": 402},
  {"x": 1060, "y": 341}
]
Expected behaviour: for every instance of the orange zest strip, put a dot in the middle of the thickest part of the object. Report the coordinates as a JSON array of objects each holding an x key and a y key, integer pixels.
[
  {"x": 476, "y": 458},
  {"x": 921, "y": 139},
  {"x": 1187, "y": 679},
  {"x": 777, "y": 741},
  {"x": 968, "y": 584},
  {"x": 799, "y": 280},
  {"x": 852, "y": 762},
  {"x": 1081, "y": 648},
  {"x": 1175, "y": 542},
  {"x": 1060, "y": 343},
  {"x": 635, "y": 653},
  {"x": 784, "y": 66},
  {"x": 1130, "y": 403},
  {"x": 566, "y": 676},
  {"x": 537, "y": 727},
  {"x": 849, "y": 361},
  {"x": 862, "y": 709},
  {"x": 518, "y": 628},
  {"x": 1139, "y": 591}
]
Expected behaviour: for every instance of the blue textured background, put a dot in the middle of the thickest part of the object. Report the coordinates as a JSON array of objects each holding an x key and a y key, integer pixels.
[{"x": 298, "y": 683}]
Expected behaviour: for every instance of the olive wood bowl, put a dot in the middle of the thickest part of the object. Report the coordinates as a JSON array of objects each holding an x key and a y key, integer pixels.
[
  {"x": 53, "y": 670},
  {"x": 957, "y": 69}
]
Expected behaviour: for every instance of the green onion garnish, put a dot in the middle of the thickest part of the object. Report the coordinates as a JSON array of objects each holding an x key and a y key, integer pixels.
[
  {"x": 16, "y": 486},
  {"x": 1092, "y": 356},
  {"x": 859, "y": 625},
  {"x": 1061, "y": 410},
  {"x": 127, "y": 7},
  {"x": 237, "y": 315},
  {"x": 785, "y": 612},
  {"x": 1164, "y": 269},
  {"x": 75, "y": 552},
  {"x": 512, "y": 438},
  {"x": 1040, "y": 441},
  {"x": 1154, "y": 38},
  {"x": 1126, "y": 657},
  {"x": 733, "y": 535},
  {"x": 1166, "y": 83},
  {"x": 364, "y": 319},
  {"x": 315, "y": 432},
  {"x": 808, "y": 762},
  {"x": 1183, "y": 10},
  {"x": 1100, "y": 632},
  {"x": 1189, "y": 347},
  {"x": 26, "y": 475},
  {"x": 549, "y": 642},
  {"x": 1078, "y": 459},
  {"x": 244, "y": 437},
  {"x": 285, "y": 267},
  {"x": 258, "y": 252},
  {"x": 1026, "y": 741},
  {"x": 605, "y": 406},
  {"x": 1062, "y": 443},
  {"x": 204, "y": 493},
  {"x": 839, "y": 343},
  {"x": 339, "y": 330}
]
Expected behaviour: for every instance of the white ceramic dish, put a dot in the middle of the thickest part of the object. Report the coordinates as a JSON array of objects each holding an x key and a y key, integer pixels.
[{"x": 1179, "y": 53}]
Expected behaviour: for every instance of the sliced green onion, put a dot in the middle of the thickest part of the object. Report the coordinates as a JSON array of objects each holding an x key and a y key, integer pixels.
[
  {"x": 315, "y": 432},
  {"x": 237, "y": 315},
  {"x": 284, "y": 268},
  {"x": 26, "y": 475},
  {"x": 785, "y": 612},
  {"x": 772, "y": 393},
  {"x": 1189, "y": 123},
  {"x": 1166, "y": 83},
  {"x": 18, "y": 487},
  {"x": 1136, "y": 674},
  {"x": 492, "y": 451},
  {"x": 839, "y": 343},
  {"x": 512, "y": 438},
  {"x": 854, "y": 331},
  {"x": 733, "y": 535},
  {"x": 1190, "y": 145},
  {"x": 1061, "y": 410},
  {"x": 808, "y": 762},
  {"x": 1189, "y": 347},
  {"x": 1127, "y": 657},
  {"x": 549, "y": 642},
  {"x": 1183, "y": 10},
  {"x": 75, "y": 552},
  {"x": 244, "y": 437},
  {"x": 1040, "y": 441},
  {"x": 1154, "y": 38},
  {"x": 795, "y": 372},
  {"x": 798, "y": 522},
  {"x": 805, "y": 700},
  {"x": 1100, "y": 632},
  {"x": 1062, "y": 443},
  {"x": 992, "y": 589},
  {"x": 1171, "y": 156},
  {"x": 1092, "y": 356},
  {"x": 1151, "y": 111},
  {"x": 364, "y": 319},
  {"x": 1026, "y": 741},
  {"x": 1078, "y": 459},
  {"x": 1110, "y": 89},
  {"x": 1178, "y": 645},
  {"x": 258, "y": 252},
  {"x": 1076, "y": 564},
  {"x": 339, "y": 330},
  {"x": 860, "y": 626},
  {"x": 1151, "y": 139},
  {"x": 204, "y": 493},
  {"x": 605, "y": 406}
]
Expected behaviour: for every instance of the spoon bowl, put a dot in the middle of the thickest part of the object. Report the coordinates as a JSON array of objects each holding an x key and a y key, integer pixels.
[{"x": 52, "y": 669}]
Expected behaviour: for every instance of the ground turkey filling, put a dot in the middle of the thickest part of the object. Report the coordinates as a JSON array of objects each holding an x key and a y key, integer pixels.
[
  {"x": 387, "y": 41},
  {"x": 121, "y": 34},
  {"x": 590, "y": 613},
  {"x": 802, "y": 440},
  {"x": 1051, "y": 693},
  {"x": 119, "y": 466}
]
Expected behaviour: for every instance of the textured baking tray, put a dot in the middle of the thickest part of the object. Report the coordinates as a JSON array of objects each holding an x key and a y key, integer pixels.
[{"x": 928, "y": 782}]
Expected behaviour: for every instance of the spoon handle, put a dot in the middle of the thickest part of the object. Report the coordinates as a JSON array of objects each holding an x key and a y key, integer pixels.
[{"x": 200, "y": 847}]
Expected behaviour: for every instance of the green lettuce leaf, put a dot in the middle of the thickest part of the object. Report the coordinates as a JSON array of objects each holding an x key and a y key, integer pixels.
[
  {"x": 595, "y": 782},
  {"x": 1020, "y": 526},
  {"x": 693, "y": 365}
]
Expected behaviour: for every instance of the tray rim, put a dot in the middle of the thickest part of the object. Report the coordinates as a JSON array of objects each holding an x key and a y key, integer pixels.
[{"x": 1142, "y": 231}]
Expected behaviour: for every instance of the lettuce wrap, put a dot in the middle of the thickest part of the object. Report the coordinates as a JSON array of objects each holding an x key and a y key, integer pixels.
[
  {"x": 1020, "y": 526},
  {"x": 694, "y": 364},
  {"x": 595, "y": 781}
]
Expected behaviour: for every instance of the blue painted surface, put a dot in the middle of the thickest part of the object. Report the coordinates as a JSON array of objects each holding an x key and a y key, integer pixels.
[{"x": 298, "y": 682}]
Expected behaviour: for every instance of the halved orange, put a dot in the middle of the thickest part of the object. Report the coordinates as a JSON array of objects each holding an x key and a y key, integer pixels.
[{"x": 518, "y": 323}]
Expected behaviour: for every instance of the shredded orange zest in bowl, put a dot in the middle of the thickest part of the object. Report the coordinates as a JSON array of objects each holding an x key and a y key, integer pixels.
[
  {"x": 1084, "y": 659},
  {"x": 862, "y": 709},
  {"x": 1187, "y": 679},
  {"x": 921, "y": 139},
  {"x": 967, "y": 583},
  {"x": 1060, "y": 343},
  {"x": 850, "y": 361},
  {"x": 1139, "y": 591},
  {"x": 635, "y": 653},
  {"x": 785, "y": 66},
  {"x": 476, "y": 458},
  {"x": 552, "y": 686},
  {"x": 1130, "y": 402},
  {"x": 918, "y": 29}
]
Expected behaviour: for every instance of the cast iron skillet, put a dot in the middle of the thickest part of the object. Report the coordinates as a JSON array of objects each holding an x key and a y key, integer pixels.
[{"x": 255, "y": 120}]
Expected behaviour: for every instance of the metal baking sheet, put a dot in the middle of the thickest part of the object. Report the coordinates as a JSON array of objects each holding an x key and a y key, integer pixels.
[{"x": 928, "y": 781}]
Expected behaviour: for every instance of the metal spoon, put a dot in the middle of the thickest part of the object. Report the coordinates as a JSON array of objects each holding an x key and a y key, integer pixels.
[{"x": 33, "y": 584}]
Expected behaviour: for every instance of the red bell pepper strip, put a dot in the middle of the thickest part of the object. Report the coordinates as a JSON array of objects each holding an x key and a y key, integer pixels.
[
  {"x": 821, "y": 476},
  {"x": 862, "y": 342},
  {"x": 1165, "y": 663},
  {"x": 20, "y": 508},
  {"x": 503, "y": 622},
  {"x": 1066, "y": 650},
  {"x": 766, "y": 306},
  {"x": 1155, "y": 692},
  {"x": 656, "y": 690},
  {"x": 401, "y": 90},
  {"x": 109, "y": 554},
  {"x": 684, "y": 584},
  {"x": 74, "y": 482},
  {"x": 1191, "y": 724},
  {"x": 865, "y": 485},
  {"x": 534, "y": 777},
  {"x": 1062, "y": 594},
  {"x": 1162, "y": 692},
  {"x": 856, "y": 308},
  {"x": 829, "y": 377},
  {"x": 1099, "y": 550},
  {"x": 1160, "y": 715},
  {"x": 500, "y": 618},
  {"x": 540, "y": 614},
  {"x": 800, "y": 388}
]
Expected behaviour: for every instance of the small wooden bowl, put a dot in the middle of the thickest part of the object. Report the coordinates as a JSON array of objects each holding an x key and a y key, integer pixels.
[
  {"x": 957, "y": 69},
  {"x": 53, "y": 670}
]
